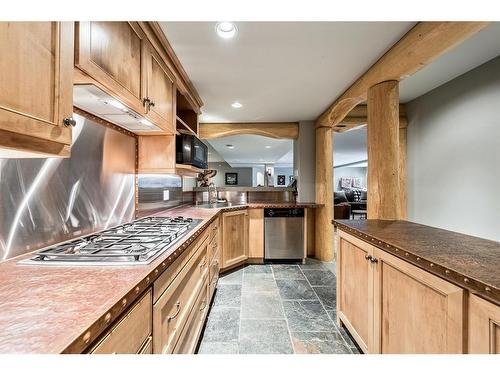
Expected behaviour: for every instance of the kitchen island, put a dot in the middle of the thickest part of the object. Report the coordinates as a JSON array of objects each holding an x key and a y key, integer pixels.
[{"x": 405, "y": 287}]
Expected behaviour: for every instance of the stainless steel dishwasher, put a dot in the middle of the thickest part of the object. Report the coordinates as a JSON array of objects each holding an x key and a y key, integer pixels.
[{"x": 284, "y": 233}]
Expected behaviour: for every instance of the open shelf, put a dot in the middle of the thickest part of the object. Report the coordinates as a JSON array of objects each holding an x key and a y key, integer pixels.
[
  {"x": 186, "y": 116},
  {"x": 187, "y": 170}
]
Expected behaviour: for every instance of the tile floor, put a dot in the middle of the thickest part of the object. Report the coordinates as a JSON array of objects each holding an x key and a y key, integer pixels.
[{"x": 276, "y": 309}]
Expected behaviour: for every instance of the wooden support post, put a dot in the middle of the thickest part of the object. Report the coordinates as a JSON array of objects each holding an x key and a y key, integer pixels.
[
  {"x": 384, "y": 201},
  {"x": 402, "y": 172},
  {"x": 324, "y": 194}
]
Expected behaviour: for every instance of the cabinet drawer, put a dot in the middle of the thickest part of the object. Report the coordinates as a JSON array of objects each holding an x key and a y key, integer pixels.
[
  {"x": 213, "y": 247},
  {"x": 214, "y": 229},
  {"x": 189, "y": 337},
  {"x": 212, "y": 286},
  {"x": 214, "y": 267},
  {"x": 147, "y": 348},
  {"x": 172, "y": 309},
  {"x": 166, "y": 278},
  {"x": 129, "y": 334}
]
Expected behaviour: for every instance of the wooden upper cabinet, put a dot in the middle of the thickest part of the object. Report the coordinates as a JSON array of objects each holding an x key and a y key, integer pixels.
[
  {"x": 484, "y": 326},
  {"x": 234, "y": 238},
  {"x": 160, "y": 91},
  {"x": 112, "y": 54},
  {"x": 414, "y": 311},
  {"x": 36, "y": 86}
]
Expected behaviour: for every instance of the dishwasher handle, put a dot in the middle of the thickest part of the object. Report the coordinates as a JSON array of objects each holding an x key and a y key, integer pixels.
[{"x": 283, "y": 212}]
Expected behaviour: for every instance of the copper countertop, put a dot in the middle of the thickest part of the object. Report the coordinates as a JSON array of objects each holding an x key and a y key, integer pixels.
[
  {"x": 470, "y": 262},
  {"x": 50, "y": 309}
]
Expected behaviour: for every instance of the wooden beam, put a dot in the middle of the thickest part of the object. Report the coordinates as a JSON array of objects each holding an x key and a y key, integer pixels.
[
  {"x": 278, "y": 130},
  {"x": 383, "y": 152},
  {"x": 324, "y": 195},
  {"x": 358, "y": 117},
  {"x": 423, "y": 44},
  {"x": 402, "y": 174}
]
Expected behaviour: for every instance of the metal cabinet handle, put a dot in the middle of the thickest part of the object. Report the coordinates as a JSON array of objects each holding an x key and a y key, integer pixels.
[
  {"x": 151, "y": 104},
  {"x": 146, "y": 103},
  {"x": 69, "y": 121},
  {"x": 368, "y": 257},
  {"x": 204, "y": 306},
  {"x": 204, "y": 263},
  {"x": 178, "y": 305},
  {"x": 374, "y": 260}
]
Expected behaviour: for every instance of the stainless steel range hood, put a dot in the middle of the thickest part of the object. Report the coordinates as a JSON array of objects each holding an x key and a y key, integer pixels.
[{"x": 93, "y": 100}]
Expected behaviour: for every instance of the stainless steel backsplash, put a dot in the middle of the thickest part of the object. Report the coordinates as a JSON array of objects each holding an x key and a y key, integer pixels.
[{"x": 46, "y": 201}]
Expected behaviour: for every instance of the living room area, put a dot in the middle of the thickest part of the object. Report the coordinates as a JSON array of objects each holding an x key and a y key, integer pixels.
[{"x": 350, "y": 172}]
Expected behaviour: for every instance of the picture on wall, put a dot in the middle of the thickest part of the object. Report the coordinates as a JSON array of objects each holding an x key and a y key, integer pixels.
[
  {"x": 345, "y": 182},
  {"x": 356, "y": 182},
  {"x": 281, "y": 180},
  {"x": 231, "y": 178}
]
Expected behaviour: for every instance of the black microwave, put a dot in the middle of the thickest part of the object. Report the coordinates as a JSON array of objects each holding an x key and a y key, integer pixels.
[{"x": 191, "y": 151}]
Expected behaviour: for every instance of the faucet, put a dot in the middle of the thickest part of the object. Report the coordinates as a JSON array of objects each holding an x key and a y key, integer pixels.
[{"x": 212, "y": 193}]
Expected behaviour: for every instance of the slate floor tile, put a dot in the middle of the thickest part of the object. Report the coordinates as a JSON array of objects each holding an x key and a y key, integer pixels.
[
  {"x": 319, "y": 343},
  {"x": 223, "y": 325},
  {"x": 259, "y": 282},
  {"x": 287, "y": 272},
  {"x": 312, "y": 264},
  {"x": 307, "y": 316},
  {"x": 207, "y": 347},
  {"x": 348, "y": 339},
  {"x": 320, "y": 277},
  {"x": 261, "y": 305},
  {"x": 264, "y": 337},
  {"x": 228, "y": 295},
  {"x": 257, "y": 268},
  {"x": 327, "y": 295},
  {"x": 233, "y": 278},
  {"x": 295, "y": 289},
  {"x": 333, "y": 315}
]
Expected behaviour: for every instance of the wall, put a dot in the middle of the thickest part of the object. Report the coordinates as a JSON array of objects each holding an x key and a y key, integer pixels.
[
  {"x": 51, "y": 200},
  {"x": 454, "y": 154},
  {"x": 338, "y": 173},
  {"x": 304, "y": 161},
  {"x": 244, "y": 174}
]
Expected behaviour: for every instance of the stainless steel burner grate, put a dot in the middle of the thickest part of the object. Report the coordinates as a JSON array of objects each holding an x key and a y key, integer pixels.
[{"x": 139, "y": 242}]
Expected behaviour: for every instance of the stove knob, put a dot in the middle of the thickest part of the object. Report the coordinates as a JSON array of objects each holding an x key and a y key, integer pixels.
[
  {"x": 188, "y": 220},
  {"x": 180, "y": 217}
]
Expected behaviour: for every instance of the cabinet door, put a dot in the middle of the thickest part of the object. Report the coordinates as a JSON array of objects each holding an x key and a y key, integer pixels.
[
  {"x": 36, "y": 95},
  {"x": 414, "y": 311},
  {"x": 112, "y": 54},
  {"x": 256, "y": 227},
  {"x": 484, "y": 326},
  {"x": 159, "y": 91},
  {"x": 234, "y": 238},
  {"x": 355, "y": 288}
]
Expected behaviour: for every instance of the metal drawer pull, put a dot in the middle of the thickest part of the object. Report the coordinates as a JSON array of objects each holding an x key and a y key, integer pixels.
[
  {"x": 178, "y": 305},
  {"x": 204, "y": 263},
  {"x": 204, "y": 306},
  {"x": 374, "y": 260},
  {"x": 368, "y": 257}
]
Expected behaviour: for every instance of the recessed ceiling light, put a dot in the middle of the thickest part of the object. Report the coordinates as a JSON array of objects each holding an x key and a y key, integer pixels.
[
  {"x": 268, "y": 146},
  {"x": 226, "y": 30},
  {"x": 230, "y": 146},
  {"x": 146, "y": 122},
  {"x": 236, "y": 105}
]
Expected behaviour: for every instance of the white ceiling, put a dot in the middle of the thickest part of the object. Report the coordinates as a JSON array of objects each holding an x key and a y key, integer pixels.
[
  {"x": 279, "y": 71},
  {"x": 251, "y": 149},
  {"x": 475, "y": 51}
]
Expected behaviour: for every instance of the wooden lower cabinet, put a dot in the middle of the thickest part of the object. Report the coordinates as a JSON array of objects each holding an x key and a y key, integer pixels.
[
  {"x": 256, "y": 233},
  {"x": 234, "y": 238},
  {"x": 354, "y": 300},
  {"x": 191, "y": 333},
  {"x": 131, "y": 334},
  {"x": 173, "y": 308},
  {"x": 391, "y": 306},
  {"x": 414, "y": 311},
  {"x": 484, "y": 326}
]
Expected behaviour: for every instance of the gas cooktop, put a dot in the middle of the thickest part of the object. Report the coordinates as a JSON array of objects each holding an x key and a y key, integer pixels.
[{"x": 135, "y": 243}]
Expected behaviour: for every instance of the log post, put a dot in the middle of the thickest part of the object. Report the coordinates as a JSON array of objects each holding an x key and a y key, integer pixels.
[
  {"x": 384, "y": 199},
  {"x": 324, "y": 194}
]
